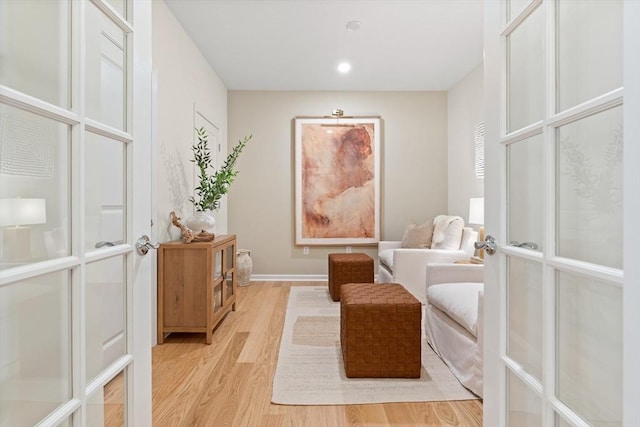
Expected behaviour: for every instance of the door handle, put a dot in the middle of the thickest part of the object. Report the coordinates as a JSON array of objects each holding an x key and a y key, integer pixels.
[
  {"x": 489, "y": 245},
  {"x": 102, "y": 244},
  {"x": 528, "y": 245},
  {"x": 144, "y": 244}
]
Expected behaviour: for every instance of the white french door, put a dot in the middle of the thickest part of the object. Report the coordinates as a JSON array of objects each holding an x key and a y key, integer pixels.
[
  {"x": 75, "y": 180},
  {"x": 557, "y": 187}
]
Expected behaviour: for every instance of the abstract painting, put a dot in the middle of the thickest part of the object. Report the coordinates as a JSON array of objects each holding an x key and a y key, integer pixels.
[{"x": 337, "y": 180}]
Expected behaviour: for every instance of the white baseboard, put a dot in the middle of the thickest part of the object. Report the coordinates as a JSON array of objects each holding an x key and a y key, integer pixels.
[
  {"x": 293, "y": 278},
  {"x": 289, "y": 278}
]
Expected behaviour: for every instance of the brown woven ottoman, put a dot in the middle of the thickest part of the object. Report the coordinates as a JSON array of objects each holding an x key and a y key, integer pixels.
[
  {"x": 380, "y": 328},
  {"x": 348, "y": 268}
]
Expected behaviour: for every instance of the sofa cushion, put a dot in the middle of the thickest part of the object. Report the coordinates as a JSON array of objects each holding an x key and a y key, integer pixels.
[
  {"x": 459, "y": 301},
  {"x": 386, "y": 259},
  {"x": 447, "y": 232},
  {"x": 417, "y": 236}
]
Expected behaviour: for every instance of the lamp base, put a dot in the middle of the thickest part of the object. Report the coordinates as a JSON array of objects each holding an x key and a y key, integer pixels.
[{"x": 16, "y": 244}]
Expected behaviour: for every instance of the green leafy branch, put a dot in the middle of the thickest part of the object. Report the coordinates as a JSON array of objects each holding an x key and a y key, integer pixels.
[{"x": 211, "y": 188}]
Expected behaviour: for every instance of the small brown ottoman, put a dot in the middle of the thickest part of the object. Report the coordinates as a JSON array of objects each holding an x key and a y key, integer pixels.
[
  {"x": 348, "y": 268},
  {"x": 380, "y": 329}
]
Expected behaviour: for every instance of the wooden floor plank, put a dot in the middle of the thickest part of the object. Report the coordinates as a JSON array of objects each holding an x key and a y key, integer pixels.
[{"x": 229, "y": 383}]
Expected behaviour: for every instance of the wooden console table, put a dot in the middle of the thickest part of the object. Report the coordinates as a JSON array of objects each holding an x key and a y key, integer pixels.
[{"x": 196, "y": 285}]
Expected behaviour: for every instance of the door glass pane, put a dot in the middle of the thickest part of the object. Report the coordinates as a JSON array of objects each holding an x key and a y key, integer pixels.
[
  {"x": 104, "y": 191},
  {"x": 560, "y": 422},
  {"x": 515, "y": 7},
  {"x": 66, "y": 423},
  {"x": 217, "y": 297},
  {"x": 524, "y": 314},
  {"x": 35, "y": 355},
  {"x": 35, "y": 48},
  {"x": 524, "y": 407},
  {"x": 525, "y": 184},
  {"x": 105, "y": 69},
  {"x": 34, "y": 188},
  {"x": 106, "y": 407},
  {"x": 217, "y": 265},
  {"x": 105, "y": 313},
  {"x": 525, "y": 73},
  {"x": 589, "y": 49},
  {"x": 589, "y": 189},
  {"x": 229, "y": 284},
  {"x": 119, "y": 6},
  {"x": 589, "y": 348}
]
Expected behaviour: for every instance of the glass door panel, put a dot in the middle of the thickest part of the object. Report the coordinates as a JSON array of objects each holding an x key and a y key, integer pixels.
[
  {"x": 104, "y": 313},
  {"x": 120, "y": 6},
  {"x": 229, "y": 260},
  {"x": 217, "y": 296},
  {"x": 217, "y": 265},
  {"x": 524, "y": 314},
  {"x": 514, "y": 7},
  {"x": 229, "y": 257},
  {"x": 107, "y": 406},
  {"x": 229, "y": 284},
  {"x": 105, "y": 190},
  {"x": 590, "y": 39},
  {"x": 524, "y": 190},
  {"x": 524, "y": 407},
  {"x": 589, "y": 189},
  {"x": 589, "y": 348},
  {"x": 106, "y": 71},
  {"x": 35, "y": 320},
  {"x": 35, "y": 48},
  {"x": 525, "y": 73},
  {"x": 560, "y": 422},
  {"x": 34, "y": 195}
]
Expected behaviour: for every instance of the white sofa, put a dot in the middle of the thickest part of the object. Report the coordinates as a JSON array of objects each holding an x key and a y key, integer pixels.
[
  {"x": 407, "y": 266},
  {"x": 454, "y": 320}
]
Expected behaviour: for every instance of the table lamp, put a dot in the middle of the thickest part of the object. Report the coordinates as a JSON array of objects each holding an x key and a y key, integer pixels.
[
  {"x": 16, "y": 215},
  {"x": 476, "y": 216}
]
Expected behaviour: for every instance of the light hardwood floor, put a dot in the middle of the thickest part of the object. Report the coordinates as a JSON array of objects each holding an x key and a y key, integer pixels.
[{"x": 228, "y": 383}]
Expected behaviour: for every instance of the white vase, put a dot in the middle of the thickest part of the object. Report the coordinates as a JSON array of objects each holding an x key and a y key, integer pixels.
[
  {"x": 202, "y": 221},
  {"x": 244, "y": 265}
]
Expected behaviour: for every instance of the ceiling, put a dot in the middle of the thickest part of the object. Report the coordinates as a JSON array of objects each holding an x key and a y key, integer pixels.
[{"x": 402, "y": 45}]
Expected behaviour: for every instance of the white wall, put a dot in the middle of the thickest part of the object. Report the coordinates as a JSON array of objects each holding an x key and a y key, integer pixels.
[
  {"x": 186, "y": 83},
  {"x": 261, "y": 201},
  {"x": 465, "y": 111}
]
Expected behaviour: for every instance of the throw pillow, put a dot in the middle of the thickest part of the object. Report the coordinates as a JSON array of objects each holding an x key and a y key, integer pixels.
[
  {"x": 447, "y": 232},
  {"x": 417, "y": 236}
]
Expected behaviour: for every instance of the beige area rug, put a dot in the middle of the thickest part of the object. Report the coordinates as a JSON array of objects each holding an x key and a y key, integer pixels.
[{"x": 310, "y": 369}]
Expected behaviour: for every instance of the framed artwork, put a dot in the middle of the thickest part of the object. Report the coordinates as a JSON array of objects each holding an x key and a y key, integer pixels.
[{"x": 337, "y": 180}]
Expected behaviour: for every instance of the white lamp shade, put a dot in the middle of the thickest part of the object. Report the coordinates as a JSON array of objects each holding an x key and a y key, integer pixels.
[
  {"x": 22, "y": 212},
  {"x": 476, "y": 210}
]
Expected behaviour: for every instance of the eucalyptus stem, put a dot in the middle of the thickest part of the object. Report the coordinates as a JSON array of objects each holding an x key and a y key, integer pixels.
[{"x": 211, "y": 188}]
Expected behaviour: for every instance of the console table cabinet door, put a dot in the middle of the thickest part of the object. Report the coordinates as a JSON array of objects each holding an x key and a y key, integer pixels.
[{"x": 196, "y": 285}]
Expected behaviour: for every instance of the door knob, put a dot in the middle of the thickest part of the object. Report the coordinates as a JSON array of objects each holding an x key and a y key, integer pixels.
[
  {"x": 144, "y": 244},
  {"x": 489, "y": 245}
]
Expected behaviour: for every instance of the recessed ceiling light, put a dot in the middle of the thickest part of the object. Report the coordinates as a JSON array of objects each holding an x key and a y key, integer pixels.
[
  {"x": 344, "y": 67},
  {"x": 353, "y": 25}
]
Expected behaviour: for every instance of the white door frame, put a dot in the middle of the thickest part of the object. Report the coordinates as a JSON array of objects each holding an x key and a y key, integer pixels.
[{"x": 631, "y": 303}]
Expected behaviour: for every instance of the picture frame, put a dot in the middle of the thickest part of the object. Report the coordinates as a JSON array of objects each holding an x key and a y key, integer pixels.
[{"x": 337, "y": 180}]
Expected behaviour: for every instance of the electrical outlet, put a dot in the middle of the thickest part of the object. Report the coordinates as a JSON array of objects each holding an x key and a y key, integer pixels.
[
  {"x": 305, "y": 250},
  {"x": 348, "y": 249}
]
